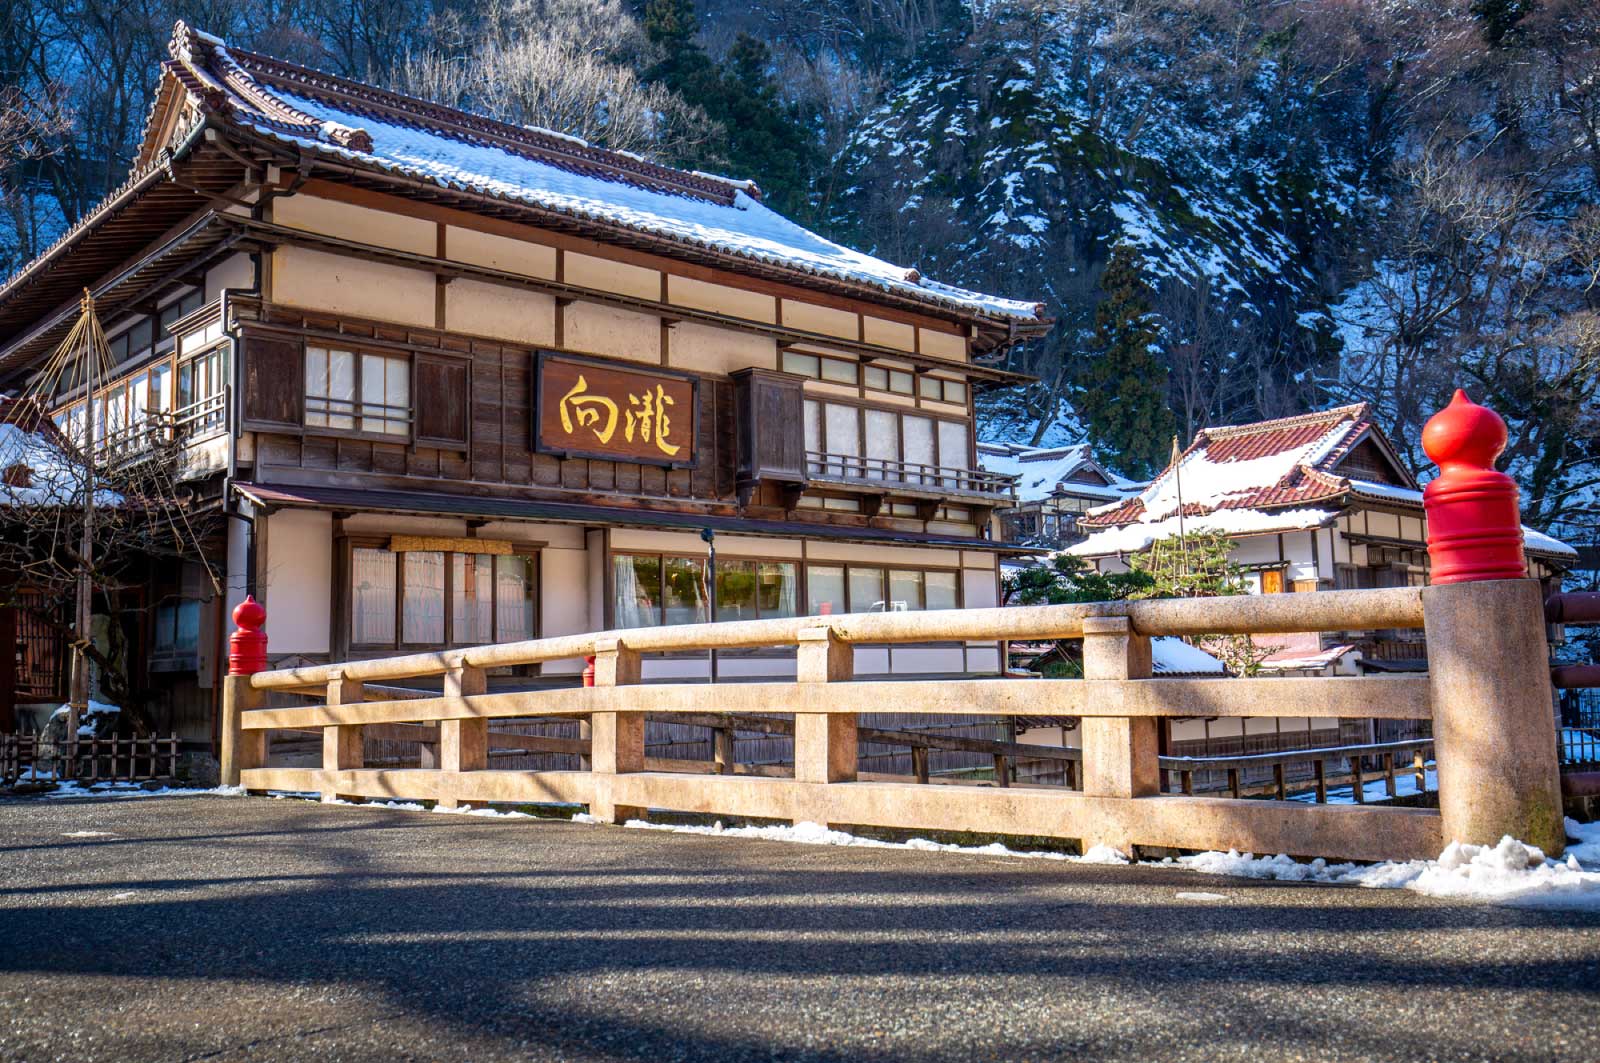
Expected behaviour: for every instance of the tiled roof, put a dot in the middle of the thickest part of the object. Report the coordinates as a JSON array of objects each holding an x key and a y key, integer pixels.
[
  {"x": 382, "y": 132},
  {"x": 1277, "y": 464}
]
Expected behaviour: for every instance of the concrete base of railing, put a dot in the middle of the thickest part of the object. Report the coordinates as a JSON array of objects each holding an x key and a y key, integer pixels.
[{"x": 1354, "y": 833}]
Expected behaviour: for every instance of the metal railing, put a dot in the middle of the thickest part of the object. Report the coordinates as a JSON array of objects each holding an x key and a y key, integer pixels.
[{"x": 856, "y": 469}]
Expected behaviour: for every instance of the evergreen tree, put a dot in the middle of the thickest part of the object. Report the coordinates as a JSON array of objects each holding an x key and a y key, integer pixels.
[
  {"x": 1122, "y": 385},
  {"x": 762, "y": 137}
]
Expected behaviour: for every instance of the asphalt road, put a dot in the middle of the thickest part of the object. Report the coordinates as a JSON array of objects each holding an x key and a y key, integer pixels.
[{"x": 212, "y": 928}]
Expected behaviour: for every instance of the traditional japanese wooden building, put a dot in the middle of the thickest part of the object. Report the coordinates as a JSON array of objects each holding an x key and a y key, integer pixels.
[{"x": 455, "y": 381}]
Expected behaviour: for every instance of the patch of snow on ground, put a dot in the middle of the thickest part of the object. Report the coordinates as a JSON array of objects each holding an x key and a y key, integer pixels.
[{"x": 816, "y": 834}]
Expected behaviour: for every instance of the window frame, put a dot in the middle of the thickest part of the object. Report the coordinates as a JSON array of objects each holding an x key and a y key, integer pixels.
[
  {"x": 358, "y": 355},
  {"x": 967, "y": 463},
  {"x": 345, "y": 605}
]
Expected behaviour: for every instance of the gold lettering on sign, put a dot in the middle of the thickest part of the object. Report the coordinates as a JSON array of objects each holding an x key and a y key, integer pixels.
[
  {"x": 652, "y": 409},
  {"x": 615, "y": 413},
  {"x": 585, "y": 410}
]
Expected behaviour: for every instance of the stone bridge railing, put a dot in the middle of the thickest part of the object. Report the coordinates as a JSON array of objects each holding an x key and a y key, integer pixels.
[{"x": 1487, "y": 693}]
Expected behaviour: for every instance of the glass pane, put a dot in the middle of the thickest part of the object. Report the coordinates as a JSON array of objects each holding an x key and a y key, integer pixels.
[
  {"x": 140, "y": 337},
  {"x": 905, "y": 590},
  {"x": 955, "y": 391},
  {"x": 116, "y": 409},
  {"x": 883, "y": 444},
  {"x": 843, "y": 425},
  {"x": 637, "y": 578},
  {"x": 316, "y": 385},
  {"x": 161, "y": 388},
  {"x": 875, "y": 376},
  {"x": 900, "y": 382},
  {"x": 928, "y": 387},
  {"x": 803, "y": 364},
  {"x": 813, "y": 428},
  {"x": 422, "y": 615},
  {"x": 472, "y": 576},
  {"x": 779, "y": 587},
  {"x": 825, "y": 590},
  {"x": 736, "y": 590},
  {"x": 138, "y": 398},
  {"x": 866, "y": 589},
  {"x": 188, "y": 636},
  {"x": 952, "y": 449},
  {"x": 919, "y": 446},
  {"x": 371, "y": 597},
  {"x": 513, "y": 598},
  {"x": 838, "y": 371},
  {"x": 684, "y": 590},
  {"x": 940, "y": 590}
]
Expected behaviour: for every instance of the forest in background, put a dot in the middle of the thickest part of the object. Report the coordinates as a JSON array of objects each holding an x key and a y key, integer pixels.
[{"x": 1236, "y": 209}]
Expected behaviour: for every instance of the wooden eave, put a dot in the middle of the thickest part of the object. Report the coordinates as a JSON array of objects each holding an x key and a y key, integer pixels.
[{"x": 117, "y": 234}]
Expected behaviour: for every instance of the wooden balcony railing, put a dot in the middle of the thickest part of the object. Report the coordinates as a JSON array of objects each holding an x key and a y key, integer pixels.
[
  {"x": 1488, "y": 695},
  {"x": 856, "y": 470}
]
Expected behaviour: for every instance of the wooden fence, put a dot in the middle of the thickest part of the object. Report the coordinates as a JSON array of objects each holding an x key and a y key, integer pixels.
[
  {"x": 1487, "y": 694},
  {"x": 89, "y": 760}
]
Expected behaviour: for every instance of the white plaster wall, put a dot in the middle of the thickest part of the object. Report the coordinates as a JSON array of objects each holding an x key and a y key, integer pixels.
[
  {"x": 604, "y": 330},
  {"x": 236, "y": 271},
  {"x": 504, "y": 313},
  {"x": 381, "y": 228},
  {"x": 297, "y": 582},
  {"x": 319, "y": 281}
]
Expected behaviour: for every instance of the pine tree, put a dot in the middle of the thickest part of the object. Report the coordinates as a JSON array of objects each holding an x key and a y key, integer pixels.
[
  {"x": 762, "y": 137},
  {"x": 1122, "y": 385}
]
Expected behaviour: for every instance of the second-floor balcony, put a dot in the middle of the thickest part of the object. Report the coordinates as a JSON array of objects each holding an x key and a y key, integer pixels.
[{"x": 909, "y": 477}]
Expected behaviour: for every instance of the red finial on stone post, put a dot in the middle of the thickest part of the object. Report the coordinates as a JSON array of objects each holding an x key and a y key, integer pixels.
[
  {"x": 247, "y": 646},
  {"x": 1474, "y": 523}
]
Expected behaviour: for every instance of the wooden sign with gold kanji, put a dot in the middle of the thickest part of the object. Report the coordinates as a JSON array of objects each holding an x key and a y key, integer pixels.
[{"x": 593, "y": 409}]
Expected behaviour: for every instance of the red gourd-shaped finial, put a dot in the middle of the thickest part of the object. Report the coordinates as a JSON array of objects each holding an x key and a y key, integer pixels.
[
  {"x": 1474, "y": 523},
  {"x": 247, "y": 646}
]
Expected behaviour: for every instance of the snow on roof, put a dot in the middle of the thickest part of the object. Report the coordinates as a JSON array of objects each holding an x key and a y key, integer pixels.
[
  {"x": 51, "y": 479},
  {"x": 1173, "y": 656},
  {"x": 1041, "y": 469},
  {"x": 1281, "y": 463},
  {"x": 1532, "y": 539},
  {"x": 1132, "y": 538},
  {"x": 381, "y": 130}
]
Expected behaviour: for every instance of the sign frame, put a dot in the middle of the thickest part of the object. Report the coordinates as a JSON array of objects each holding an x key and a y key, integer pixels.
[{"x": 536, "y": 422}]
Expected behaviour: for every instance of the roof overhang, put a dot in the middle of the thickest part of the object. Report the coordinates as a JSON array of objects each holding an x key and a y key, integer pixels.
[{"x": 272, "y": 497}]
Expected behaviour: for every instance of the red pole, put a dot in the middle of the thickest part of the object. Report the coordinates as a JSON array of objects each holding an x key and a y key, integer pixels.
[
  {"x": 1474, "y": 524},
  {"x": 247, "y": 646}
]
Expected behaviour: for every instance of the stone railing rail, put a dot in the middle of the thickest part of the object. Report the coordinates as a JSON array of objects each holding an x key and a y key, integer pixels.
[{"x": 1487, "y": 694}]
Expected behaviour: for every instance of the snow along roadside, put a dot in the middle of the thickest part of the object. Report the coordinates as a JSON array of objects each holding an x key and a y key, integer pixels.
[{"x": 1509, "y": 873}]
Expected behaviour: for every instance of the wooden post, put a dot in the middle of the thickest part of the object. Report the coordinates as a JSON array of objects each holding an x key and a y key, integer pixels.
[
  {"x": 1120, "y": 756},
  {"x": 1278, "y": 780},
  {"x": 617, "y": 738},
  {"x": 241, "y": 749},
  {"x": 1389, "y": 786},
  {"x": 722, "y": 750},
  {"x": 919, "y": 763},
  {"x": 343, "y": 745},
  {"x": 1494, "y": 724},
  {"x": 463, "y": 744},
  {"x": 1322, "y": 781},
  {"x": 1358, "y": 781},
  {"x": 1002, "y": 770},
  {"x": 824, "y": 743}
]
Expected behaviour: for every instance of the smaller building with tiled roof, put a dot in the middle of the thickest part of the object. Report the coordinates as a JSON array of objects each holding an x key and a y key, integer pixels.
[
  {"x": 1319, "y": 501},
  {"x": 1055, "y": 487}
]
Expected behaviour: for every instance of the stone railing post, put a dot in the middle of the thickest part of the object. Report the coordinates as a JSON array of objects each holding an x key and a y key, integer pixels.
[
  {"x": 616, "y": 738},
  {"x": 343, "y": 746},
  {"x": 463, "y": 744},
  {"x": 247, "y": 655},
  {"x": 1120, "y": 757},
  {"x": 824, "y": 742},
  {"x": 1488, "y": 659}
]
